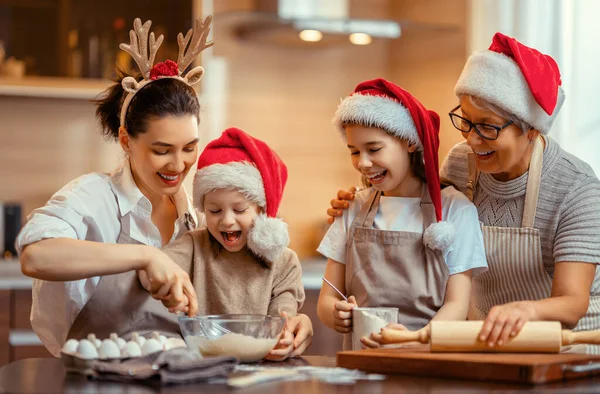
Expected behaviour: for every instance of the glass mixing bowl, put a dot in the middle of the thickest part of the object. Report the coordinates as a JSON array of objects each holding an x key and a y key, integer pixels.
[{"x": 248, "y": 337}]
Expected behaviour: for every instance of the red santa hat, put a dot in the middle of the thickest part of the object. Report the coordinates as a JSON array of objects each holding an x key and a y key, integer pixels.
[
  {"x": 516, "y": 78},
  {"x": 382, "y": 104},
  {"x": 237, "y": 161}
]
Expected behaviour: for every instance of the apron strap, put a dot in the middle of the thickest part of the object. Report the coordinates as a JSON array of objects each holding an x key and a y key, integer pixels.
[
  {"x": 371, "y": 210},
  {"x": 533, "y": 183},
  {"x": 473, "y": 176},
  {"x": 365, "y": 216},
  {"x": 427, "y": 207}
]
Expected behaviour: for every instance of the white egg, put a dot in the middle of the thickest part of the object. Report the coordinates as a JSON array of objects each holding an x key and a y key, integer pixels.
[
  {"x": 131, "y": 349},
  {"x": 173, "y": 343},
  {"x": 119, "y": 341},
  {"x": 160, "y": 338},
  {"x": 87, "y": 350},
  {"x": 92, "y": 338},
  {"x": 138, "y": 338},
  {"x": 70, "y": 347},
  {"x": 150, "y": 346},
  {"x": 109, "y": 349}
]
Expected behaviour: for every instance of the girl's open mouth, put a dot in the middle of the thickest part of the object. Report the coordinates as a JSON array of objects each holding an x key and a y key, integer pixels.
[
  {"x": 377, "y": 177},
  {"x": 231, "y": 237}
]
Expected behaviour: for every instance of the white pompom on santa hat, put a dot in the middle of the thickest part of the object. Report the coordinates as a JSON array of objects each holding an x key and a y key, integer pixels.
[
  {"x": 238, "y": 161},
  {"x": 516, "y": 78},
  {"x": 382, "y": 104}
]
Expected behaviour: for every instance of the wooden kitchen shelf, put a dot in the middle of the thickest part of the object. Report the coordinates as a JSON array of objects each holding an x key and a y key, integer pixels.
[{"x": 53, "y": 87}]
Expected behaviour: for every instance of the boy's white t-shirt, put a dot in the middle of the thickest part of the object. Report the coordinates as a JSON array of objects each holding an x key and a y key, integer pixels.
[{"x": 405, "y": 214}]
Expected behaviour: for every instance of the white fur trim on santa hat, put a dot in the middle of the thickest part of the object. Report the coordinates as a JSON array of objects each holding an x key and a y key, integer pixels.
[
  {"x": 439, "y": 236},
  {"x": 268, "y": 237},
  {"x": 496, "y": 78},
  {"x": 235, "y": 175},
  {"x": 377, "y": 111}
]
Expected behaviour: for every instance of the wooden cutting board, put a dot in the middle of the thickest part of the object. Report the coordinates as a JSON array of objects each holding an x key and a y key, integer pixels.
[{"x": 506, "y": 367}]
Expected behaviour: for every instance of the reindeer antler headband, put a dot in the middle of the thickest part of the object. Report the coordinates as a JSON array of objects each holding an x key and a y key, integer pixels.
[{"x": 138, "y": 49}]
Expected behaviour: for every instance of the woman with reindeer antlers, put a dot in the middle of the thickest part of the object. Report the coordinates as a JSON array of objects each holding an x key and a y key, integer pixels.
[{"x": 98, "y": 236}]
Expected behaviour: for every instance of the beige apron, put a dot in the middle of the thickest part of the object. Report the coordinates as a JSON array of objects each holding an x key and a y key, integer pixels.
[
  {"x": 514, "y": 255},
  {"x": 121, "y": 305},
  {"x": 394, "y": 268}
]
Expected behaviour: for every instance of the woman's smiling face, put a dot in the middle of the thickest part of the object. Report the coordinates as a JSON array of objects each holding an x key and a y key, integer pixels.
[
  {"x": 162, "y": 156},
  {"x": 508, "y": 156}
]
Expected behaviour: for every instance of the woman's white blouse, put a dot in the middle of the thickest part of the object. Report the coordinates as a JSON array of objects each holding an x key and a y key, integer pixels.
[{"x": 99, "y": 207}]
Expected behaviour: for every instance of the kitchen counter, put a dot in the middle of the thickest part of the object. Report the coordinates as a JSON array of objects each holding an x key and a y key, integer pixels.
[{"x": 49, "y": 376}]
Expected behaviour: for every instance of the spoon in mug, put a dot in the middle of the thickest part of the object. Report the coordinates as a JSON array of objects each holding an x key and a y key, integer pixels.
[{"x": 336, "y": 289}]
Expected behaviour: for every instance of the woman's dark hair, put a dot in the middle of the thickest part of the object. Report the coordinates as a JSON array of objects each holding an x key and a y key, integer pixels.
[
  {"x": 159, "y": 99},
  {"x": 417, "y": 165},
  {"x": 216, "y": 248}
]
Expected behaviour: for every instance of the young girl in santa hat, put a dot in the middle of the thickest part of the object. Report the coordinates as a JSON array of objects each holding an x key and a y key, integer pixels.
[
  {"x": 240, "y": 262},
  {"x": 402, "y": 242}
]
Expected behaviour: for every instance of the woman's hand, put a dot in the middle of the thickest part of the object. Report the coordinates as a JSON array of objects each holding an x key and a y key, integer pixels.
[
  {"x": 169, "y": 283},
  {"x": 506, "y": 321},
  {"x": 342, "y": 315},
  {"x": 339, "y": 204},
  {"x": 375, "y": 340}
]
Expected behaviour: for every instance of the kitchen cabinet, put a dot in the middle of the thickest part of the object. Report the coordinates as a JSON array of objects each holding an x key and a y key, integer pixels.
[
  {"x": 79, "y": 38},
  {"x": 17, "y": 340}
]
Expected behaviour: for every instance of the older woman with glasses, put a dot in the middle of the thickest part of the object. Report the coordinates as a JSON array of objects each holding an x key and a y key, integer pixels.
[{"x": 539, "y": 205}]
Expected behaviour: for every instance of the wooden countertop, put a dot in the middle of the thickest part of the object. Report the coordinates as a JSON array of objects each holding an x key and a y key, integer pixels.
[{"x": 37, "y": 375}]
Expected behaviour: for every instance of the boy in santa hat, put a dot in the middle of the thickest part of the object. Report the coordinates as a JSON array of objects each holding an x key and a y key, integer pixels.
[
  {"x": 402, "y": 242},
  {"x": 240, "y": 262}
]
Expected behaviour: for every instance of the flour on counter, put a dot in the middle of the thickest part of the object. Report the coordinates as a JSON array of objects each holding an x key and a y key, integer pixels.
[
  {"x": 323, "y": 374},
  {"x": 246, "y": 348}
]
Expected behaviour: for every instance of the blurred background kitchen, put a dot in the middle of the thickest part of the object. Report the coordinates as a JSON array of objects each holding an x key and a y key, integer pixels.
[{"x": 278, "y": 70}]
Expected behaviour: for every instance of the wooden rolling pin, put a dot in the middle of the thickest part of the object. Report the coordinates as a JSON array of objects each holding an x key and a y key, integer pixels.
[{"x": 463, "y": 336}]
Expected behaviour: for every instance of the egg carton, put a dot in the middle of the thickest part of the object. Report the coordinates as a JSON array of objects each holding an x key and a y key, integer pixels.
[{"x": 77, "y": 355}]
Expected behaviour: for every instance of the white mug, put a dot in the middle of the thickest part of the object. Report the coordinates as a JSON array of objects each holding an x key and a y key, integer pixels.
[{"x": 366, "y": 321}]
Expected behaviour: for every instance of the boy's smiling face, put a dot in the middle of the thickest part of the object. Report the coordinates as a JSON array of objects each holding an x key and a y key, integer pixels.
[{"x": 229, "y": 217}]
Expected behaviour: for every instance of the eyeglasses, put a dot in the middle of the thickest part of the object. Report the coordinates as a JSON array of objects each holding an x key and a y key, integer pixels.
[{"x": 484, "y": 130}]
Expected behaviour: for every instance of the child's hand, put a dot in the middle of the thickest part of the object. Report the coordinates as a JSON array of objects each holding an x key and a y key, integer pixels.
[
  {"x": 284, "y": 347},
  {"x": 301, "y": 326},
  {"x": 339, "y": 204},
  {"x": 342, "y": 315},
  {"x": 375, "y": 340}
]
